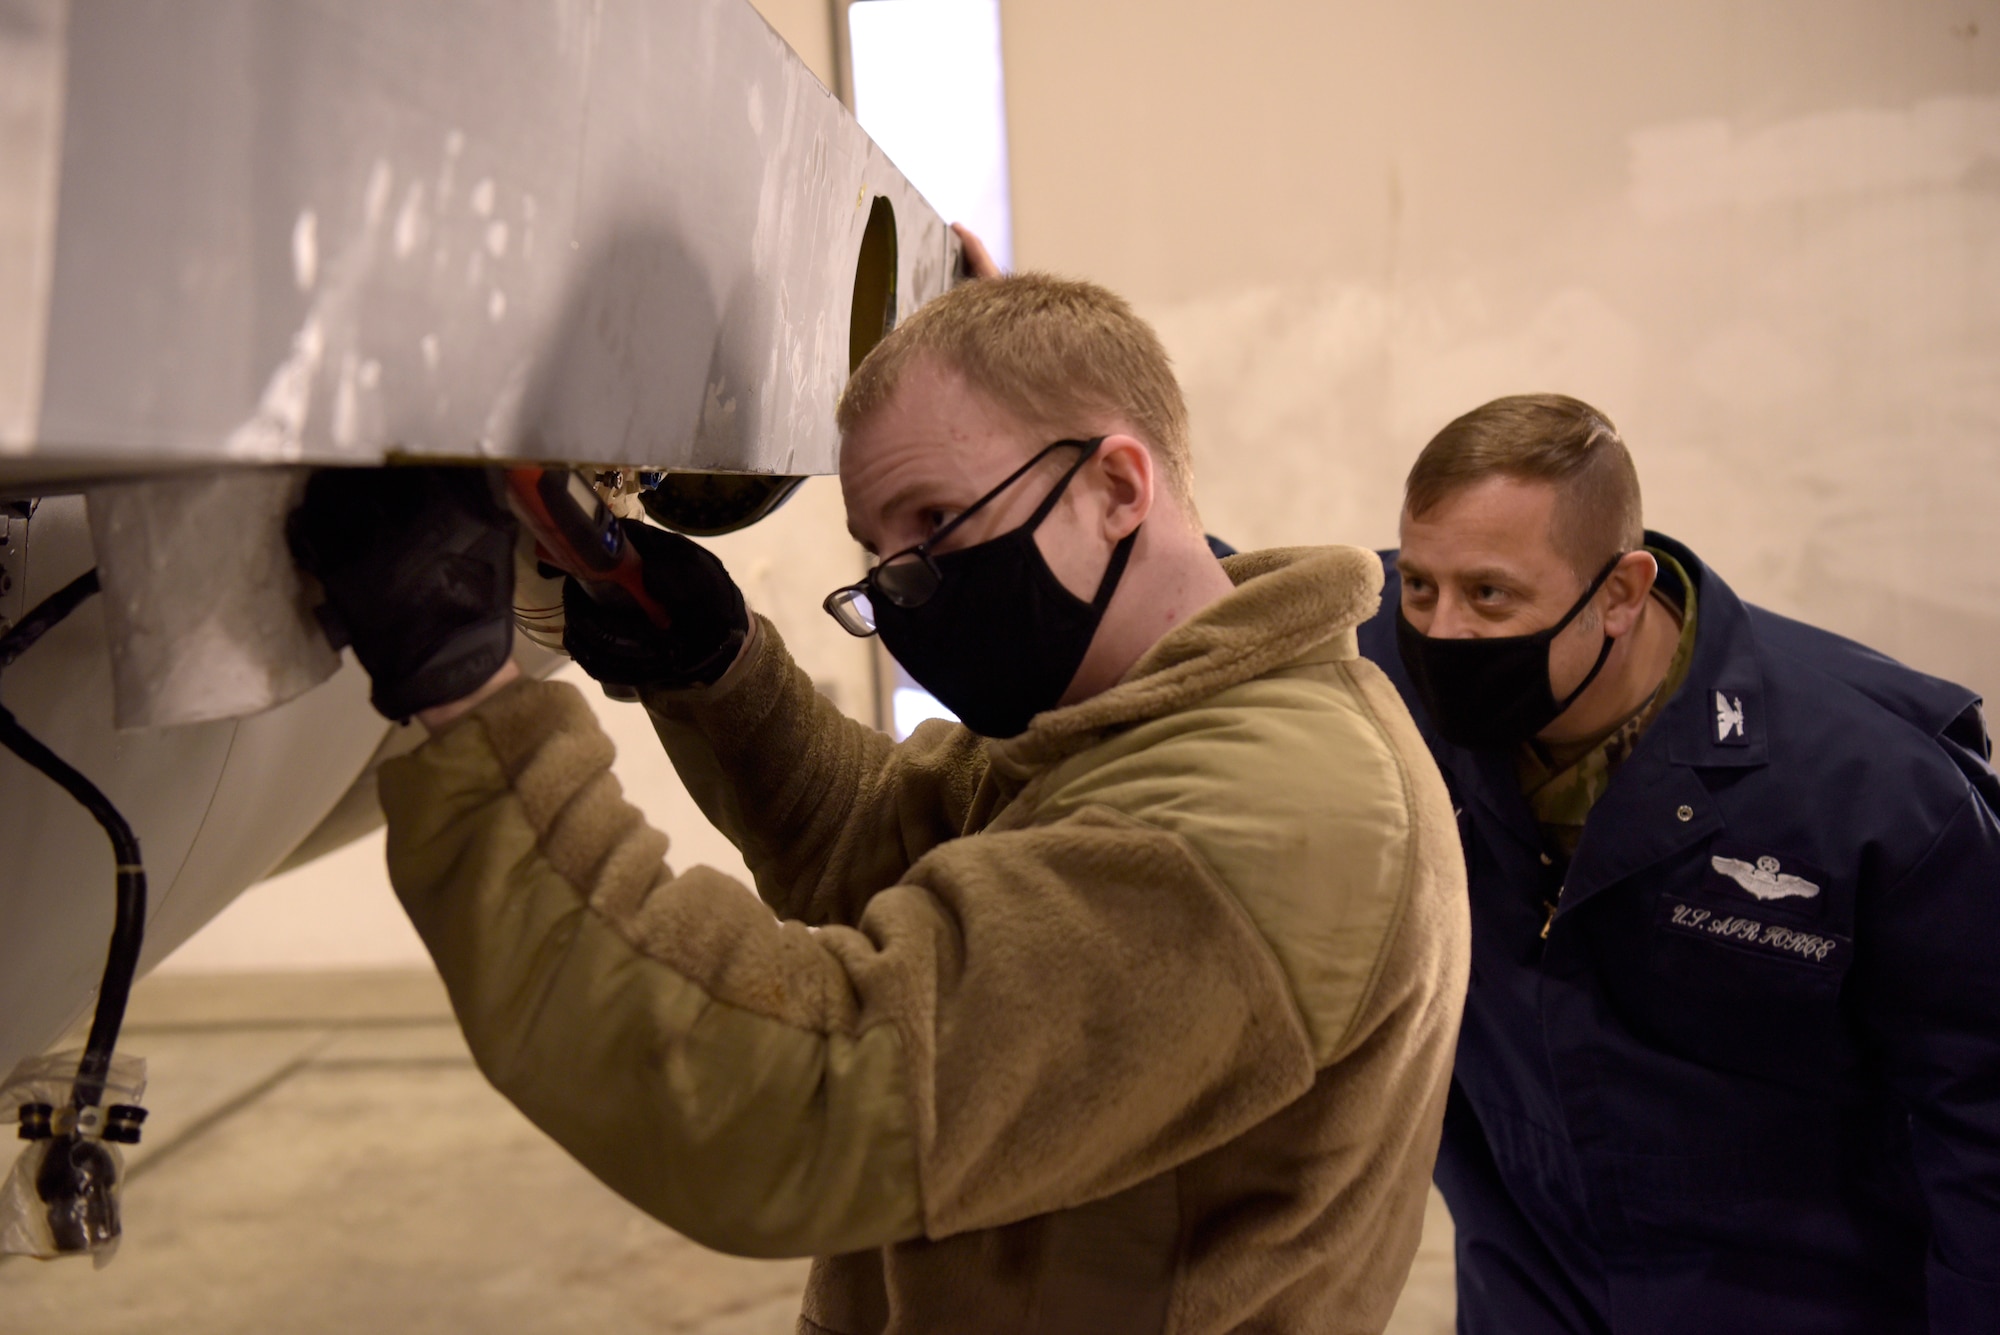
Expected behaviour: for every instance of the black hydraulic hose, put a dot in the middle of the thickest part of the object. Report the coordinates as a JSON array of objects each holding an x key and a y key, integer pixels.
[
  {"x": 129, "y": 927},
  {"x": 46, "y": 614}
]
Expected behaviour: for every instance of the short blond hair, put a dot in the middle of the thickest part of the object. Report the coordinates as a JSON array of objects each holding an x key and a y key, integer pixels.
[
  {"x": 1549, "y": 438},
  {"x": 1052, "y": 352}
]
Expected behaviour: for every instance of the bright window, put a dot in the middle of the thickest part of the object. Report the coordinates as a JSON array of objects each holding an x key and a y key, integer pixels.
[
  {"x": 928, "y": 89},
  {"x": 912, "y": 704}
]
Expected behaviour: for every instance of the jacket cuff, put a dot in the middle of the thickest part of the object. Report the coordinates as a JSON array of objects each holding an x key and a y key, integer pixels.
[
  {"x": 526, "y": 721},
  {"x": 740, "y": 697}
]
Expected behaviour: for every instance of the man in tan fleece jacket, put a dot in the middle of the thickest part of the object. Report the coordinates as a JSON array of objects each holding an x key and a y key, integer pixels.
[{"x": 1134, "y": 1014}]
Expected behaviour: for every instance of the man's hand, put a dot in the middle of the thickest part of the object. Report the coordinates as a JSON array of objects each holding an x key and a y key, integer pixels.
[
  {"x": 619, "y": 647},
  {"x": 418, "y": 568},
  {"x": 979, "y": 262}
]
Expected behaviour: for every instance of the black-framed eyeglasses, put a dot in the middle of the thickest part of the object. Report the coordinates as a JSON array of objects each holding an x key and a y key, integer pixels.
[{"x": 910, "y": 578}]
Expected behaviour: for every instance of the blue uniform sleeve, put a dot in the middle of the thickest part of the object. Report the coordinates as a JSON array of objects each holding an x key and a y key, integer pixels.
[
  {"x": 1933, "y": 1002},
  {"x": 1965, "y": 740}
]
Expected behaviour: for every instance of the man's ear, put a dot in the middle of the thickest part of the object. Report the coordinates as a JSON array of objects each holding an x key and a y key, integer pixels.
[
  {"x": 1129, "y": 478},
  {"x": 1625, "y": 590}
]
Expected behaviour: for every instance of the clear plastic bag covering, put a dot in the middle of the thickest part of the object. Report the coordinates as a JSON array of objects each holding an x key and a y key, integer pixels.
[{"x": 62, "y": 1199}]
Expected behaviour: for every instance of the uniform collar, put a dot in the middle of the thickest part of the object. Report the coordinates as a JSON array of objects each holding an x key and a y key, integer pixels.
[
  {"x": 1716, "y": 720},
  {"x": 1657, "y": 804}
]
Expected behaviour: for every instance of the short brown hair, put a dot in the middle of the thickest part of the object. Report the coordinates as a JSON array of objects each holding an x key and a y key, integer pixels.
[
  {"x": 1543, "y": 438},
  {"x": 1050, "y": 351}
]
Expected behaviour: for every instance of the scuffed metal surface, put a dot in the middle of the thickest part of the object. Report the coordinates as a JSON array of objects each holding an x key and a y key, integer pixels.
[
  {"x": 620, "y": 233},
  {"x": 609, "y": 233},
  {"x": 205, "y": 614}
]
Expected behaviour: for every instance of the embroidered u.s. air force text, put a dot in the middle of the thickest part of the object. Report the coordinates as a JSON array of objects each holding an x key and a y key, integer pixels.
[{"x": 1748, "y": 932}]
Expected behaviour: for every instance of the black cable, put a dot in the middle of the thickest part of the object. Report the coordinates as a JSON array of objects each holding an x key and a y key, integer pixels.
[
  {"x": 77, "y": 1179},
  {"x": 47, "y": 612},
  {"x": 129, "y": 927}
]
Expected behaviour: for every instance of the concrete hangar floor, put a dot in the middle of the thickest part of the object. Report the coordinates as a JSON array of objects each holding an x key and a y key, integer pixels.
[{"x": 323, "y": 1157}]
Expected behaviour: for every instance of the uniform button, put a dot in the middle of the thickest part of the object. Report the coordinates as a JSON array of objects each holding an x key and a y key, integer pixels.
[
  {"x": 1548, "y": 861},
  {"x": 1686, "y": 812}
]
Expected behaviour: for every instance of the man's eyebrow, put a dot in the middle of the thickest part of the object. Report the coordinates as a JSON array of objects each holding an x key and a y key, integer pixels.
[
  {"x": 1409, "y": 570},
  {"x": 1473, "y": 575},
  {"x": 897, "y": 500},
  {"x": 901, "y": 495},
  {"x": 1488, "y": 575}
]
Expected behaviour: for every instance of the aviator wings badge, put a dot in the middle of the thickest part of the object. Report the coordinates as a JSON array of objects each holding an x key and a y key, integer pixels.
[{"x": 1763, "y": 879}]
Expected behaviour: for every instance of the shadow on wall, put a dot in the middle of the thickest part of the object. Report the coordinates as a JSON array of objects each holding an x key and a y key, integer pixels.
[{"x": 1795, "y": 328}]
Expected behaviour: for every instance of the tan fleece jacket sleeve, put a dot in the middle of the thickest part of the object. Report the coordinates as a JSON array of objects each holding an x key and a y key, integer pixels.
[
  {"x": 825, "y": 810},
  {"x": 1030, "y": 1020}
]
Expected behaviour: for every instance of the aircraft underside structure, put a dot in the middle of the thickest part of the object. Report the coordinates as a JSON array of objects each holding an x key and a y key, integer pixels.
[{"x": 241, "y": 239}]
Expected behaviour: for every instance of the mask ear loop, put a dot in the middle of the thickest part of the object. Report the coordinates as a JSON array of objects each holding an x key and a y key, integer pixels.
[
  {"x": 1034, "y": 521},
  {"x": 1604, "y": 654},
  {"x": 1112, "y": 573},
  {"x": 1120, "y": 554}
]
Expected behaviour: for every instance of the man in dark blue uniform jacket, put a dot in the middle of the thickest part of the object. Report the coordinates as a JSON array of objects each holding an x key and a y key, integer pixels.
[{"x": 1731, "y": 1055}]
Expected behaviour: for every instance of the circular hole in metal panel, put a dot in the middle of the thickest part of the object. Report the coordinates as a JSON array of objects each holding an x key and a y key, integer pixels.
[{"x": 873, "y": 313}]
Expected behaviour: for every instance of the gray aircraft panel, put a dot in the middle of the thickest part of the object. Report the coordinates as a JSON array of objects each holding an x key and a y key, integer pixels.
[{"x": 334, "y": 231}]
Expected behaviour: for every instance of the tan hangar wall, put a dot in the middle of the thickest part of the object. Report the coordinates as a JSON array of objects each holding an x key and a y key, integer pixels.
[{"x": 1763, "y": 235}]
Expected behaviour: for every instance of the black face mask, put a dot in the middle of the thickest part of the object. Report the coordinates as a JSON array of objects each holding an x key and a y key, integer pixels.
[
  {"x": 999, "y": 639},
  {"x": 1491, "y": 694}
]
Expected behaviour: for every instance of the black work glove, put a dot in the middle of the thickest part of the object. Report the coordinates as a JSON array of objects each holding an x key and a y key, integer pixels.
[
  {"x": 615, "y": 642},
  {"x": 418, "y": 567}
]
